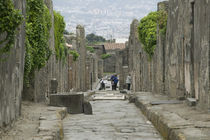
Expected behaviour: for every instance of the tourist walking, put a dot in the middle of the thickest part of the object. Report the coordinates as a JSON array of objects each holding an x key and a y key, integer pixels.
[
  {"x": 128, "y": 82},
  {"x": 114, "y": 80}
]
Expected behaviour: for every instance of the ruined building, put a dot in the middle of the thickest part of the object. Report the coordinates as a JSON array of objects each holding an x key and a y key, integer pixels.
[
  {"x": 109, "y": 63},
  {"x": 180, "y": 64}
]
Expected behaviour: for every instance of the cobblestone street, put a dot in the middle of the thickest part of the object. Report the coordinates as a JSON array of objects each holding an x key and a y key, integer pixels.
[{"x": 111, "y": 120}]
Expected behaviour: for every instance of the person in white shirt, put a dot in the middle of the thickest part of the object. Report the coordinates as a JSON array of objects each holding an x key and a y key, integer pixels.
[
  {"x": 128, "y": 82},
  {"x": 102, "y": 85}
]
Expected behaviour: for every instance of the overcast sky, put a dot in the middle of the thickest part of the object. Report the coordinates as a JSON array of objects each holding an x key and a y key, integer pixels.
[{"x": 104, "y": 17}]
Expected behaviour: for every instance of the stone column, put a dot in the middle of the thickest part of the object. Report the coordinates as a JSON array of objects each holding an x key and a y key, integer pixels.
[
  {"x": 135, "y": 49},
  {"x": 81, "y": 48}
]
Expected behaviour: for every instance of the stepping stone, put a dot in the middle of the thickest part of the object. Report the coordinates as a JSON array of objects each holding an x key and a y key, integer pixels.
[{"x": 110, "y": 97}]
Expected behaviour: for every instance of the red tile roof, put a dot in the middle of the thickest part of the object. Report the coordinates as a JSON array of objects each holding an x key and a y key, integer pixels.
[{"x": 114, "y": 46}]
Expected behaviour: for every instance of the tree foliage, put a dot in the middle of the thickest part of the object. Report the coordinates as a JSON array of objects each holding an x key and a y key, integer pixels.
[
  {"x": 92, "y": 38},
  {"x": 10, "y": 19},
  {"x": 147, "y": 30},
  {"x": 38, "y": 25}
]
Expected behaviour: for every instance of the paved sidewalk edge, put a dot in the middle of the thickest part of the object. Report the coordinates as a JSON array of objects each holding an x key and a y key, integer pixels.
[
  {"x": 159, "y": 121},
  {"x": 51, "y": 125}
]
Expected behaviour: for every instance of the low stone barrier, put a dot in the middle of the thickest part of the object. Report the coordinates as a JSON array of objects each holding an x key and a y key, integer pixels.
[{"x": 73, "y": 102}]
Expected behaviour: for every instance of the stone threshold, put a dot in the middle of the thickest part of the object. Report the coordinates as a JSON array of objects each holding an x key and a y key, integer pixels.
[{"x": 173, "y": 121}]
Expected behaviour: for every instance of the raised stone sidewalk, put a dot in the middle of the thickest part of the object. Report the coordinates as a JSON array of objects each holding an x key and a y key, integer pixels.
[
  {"x": 51, "y": 124},
  {"x": 175, "y": 121}
]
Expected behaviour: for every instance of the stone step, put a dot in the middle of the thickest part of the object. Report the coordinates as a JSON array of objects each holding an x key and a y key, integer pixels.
[{"x": 109, "y": 97}]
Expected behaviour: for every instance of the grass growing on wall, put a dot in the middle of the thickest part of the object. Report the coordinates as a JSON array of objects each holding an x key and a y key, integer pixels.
[
  {"x": 10, "y": 19},
  {"x": 162, "y": 22},
  {"x": 147, "y": 30},
  {"x": 38, "y": 25},
  {"x": 90, "y": 49},
  {"x": 75, "y": 54},
  {"x": 105, "y": 56}
]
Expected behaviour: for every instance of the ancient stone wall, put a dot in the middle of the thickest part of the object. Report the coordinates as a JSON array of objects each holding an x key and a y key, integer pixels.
[
  {"x": 100, "y": 68},
  {"x": 135, "y": 51},
  {"x": 180, "y": 65},
  {"x": 40, "y": 86},
  {"x": 187, "y": 50},
  {"x": 119, "y": 68},
  {"x": 201, "y": 52},
  {"x": 109, "y": 63},
  {"x": 11, "y": 75},
  {"x": 158, "y": 61},
  {"x": 178, "y": 49}
]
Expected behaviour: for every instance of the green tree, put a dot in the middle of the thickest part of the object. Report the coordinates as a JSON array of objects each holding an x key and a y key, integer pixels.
[
  {"x": 92, "y": 38},
  {"x": 148, "y": 33},
  {"x": 147, "y": 30}
]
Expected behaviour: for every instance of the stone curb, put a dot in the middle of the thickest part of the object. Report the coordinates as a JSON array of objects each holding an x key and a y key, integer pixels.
[
  {"x": 170, "y": 125},
  {"x": 51, "y": 124}
]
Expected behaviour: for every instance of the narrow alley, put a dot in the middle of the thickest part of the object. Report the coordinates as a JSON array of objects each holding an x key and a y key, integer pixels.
[{"x": 111, "y": 120}]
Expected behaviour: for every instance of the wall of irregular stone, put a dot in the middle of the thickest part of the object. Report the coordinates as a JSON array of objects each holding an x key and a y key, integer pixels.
[{"x": 11, "y": 76}]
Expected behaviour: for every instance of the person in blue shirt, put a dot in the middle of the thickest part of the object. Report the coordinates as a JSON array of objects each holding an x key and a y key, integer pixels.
[{"x": 114, "y": 80}]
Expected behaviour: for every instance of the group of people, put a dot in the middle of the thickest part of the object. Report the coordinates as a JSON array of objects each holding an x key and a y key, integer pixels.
[{"x": 114, "y": 82}]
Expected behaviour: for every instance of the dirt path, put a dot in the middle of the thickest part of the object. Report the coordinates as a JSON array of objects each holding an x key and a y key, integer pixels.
[{"x": 26, "y": 126}]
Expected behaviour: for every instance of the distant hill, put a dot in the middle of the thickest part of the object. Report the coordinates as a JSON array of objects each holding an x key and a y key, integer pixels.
[{"x": 108, "y": 18}]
